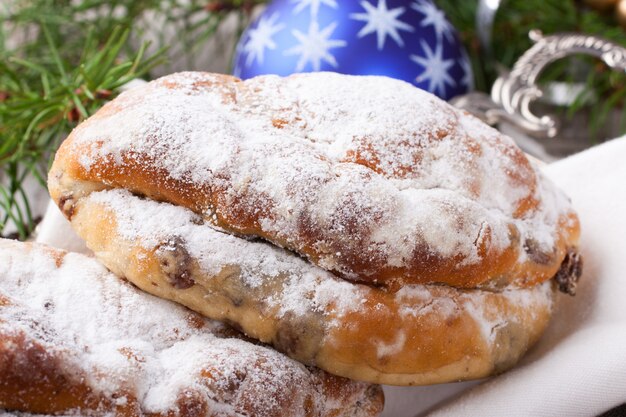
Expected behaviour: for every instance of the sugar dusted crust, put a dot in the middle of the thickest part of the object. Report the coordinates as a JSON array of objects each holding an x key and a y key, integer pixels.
[
  {"x": 355, "y": 223},
  {"x": 419, "y": 334},
  {"x": 368, "y": 177},
  {"x": 75, "y": 340}
]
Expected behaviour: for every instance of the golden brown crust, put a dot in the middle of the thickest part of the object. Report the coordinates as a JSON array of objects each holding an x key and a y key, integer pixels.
[
  {"x": 504, "y": 245},
  {"x": 415, "y": 335},
  {"x": 54, "y": 360},
  {"x": 32, "y": 378}
]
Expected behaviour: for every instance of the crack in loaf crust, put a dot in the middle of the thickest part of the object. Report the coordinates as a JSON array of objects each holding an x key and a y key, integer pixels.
[
  {"x": 367, "y": 177},
  {"x": 76, "y": 340},
  {"x": 418, "y": 334}
]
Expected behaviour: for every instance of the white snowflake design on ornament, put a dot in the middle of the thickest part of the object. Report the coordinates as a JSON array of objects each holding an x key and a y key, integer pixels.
[
  {"x": 315, "y": 46},
  {"x": 435, "y": 18},
  {"x": 383, "y": 21},
  {"x": 435, "y": 68},
  {"x": 260, "y": 38},
  {"x": 313, "y": 4}
]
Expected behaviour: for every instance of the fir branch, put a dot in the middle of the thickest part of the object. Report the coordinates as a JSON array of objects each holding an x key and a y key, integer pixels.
[{"x": 43, "y": 101}]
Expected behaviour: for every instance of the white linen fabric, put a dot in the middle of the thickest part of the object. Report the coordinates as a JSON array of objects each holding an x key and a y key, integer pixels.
[
  {"x": 56, "y": 231},
  {"x": 579, "y": 366}
]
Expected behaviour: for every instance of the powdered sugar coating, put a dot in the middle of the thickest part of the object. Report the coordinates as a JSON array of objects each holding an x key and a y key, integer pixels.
[
  {"x": 304, "y": 288},
  {"x": 365, "y": 175},
  {"x": 123, "y": 338}
]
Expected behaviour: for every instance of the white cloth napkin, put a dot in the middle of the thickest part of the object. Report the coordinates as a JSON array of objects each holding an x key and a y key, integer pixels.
[{"x": 579, "y": 366}]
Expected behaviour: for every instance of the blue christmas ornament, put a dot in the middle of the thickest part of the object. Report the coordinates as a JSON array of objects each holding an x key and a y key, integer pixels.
[{"x": 406, "y": 39}]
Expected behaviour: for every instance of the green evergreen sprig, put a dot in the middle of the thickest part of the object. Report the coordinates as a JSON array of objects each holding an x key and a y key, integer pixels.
[{"x": 42, "y": 101}]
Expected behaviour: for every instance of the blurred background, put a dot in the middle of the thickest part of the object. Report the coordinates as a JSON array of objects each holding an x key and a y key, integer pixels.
[{"x": 61, "y": 60}]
